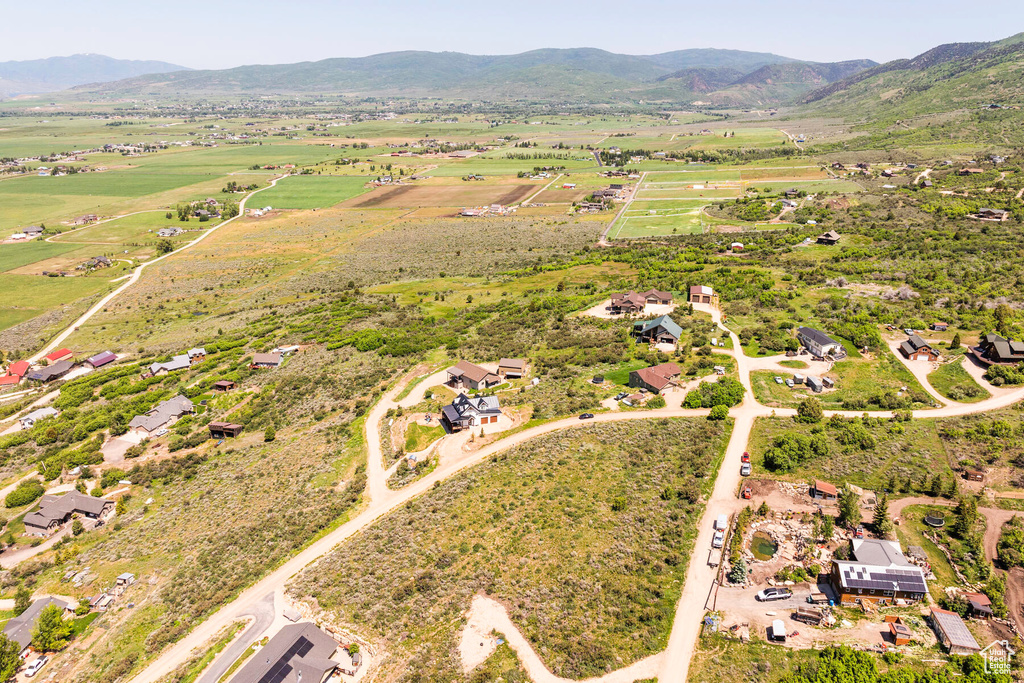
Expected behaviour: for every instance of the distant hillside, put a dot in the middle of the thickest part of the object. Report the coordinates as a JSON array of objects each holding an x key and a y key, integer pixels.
[
  {"x": 944, "y": 78},
  {"x": 703, "y": 79},
  {"x": 59, "y": 73},
  {"x": 582, "y": 74}
]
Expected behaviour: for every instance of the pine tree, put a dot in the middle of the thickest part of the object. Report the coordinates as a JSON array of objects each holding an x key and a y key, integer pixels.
[
  {"x": 828, "y": 527},
  {"x": 966, "y": 514},
  {"x": 738, "y": 572},
  {"x": 22, "y": 600},
  {"x": 849, "y": 507},
  {"x": 881, "y": 521}
]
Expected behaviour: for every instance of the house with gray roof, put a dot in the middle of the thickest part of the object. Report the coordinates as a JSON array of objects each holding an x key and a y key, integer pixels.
[
  {"x": 661, "y": 330},
  {"x": 953, "y": 633},
  {"x": 299, "y": 653},
  {"x": 878, "y": 572},
  {"x": 29, "y": 421},
  {"x": 161, "y": 414},
  {"x": 19, "y": 629},
  {"x": 180, "y": 362},
  {"x": 51, "y": 372},
  {"x": 56, "y": 510},
  {"x": 196, "y": 355},
  {"x": 819, "y": 343},
  {"x": 465, "y": 412},
  {"x": 993, "y": 349}
]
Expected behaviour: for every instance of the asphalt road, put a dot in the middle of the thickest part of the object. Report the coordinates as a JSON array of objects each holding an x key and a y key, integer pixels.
[{"x": 263, "y": 616}]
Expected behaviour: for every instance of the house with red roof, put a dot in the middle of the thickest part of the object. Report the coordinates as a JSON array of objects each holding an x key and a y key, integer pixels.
[
  {"x": 655, "y": 379},
  {"x": 15, "y": 371},
  {"x": 59, "y": 355}
]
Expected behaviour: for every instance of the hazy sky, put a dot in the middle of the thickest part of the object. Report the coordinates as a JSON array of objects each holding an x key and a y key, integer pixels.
[{"x": 212, "y": 34}]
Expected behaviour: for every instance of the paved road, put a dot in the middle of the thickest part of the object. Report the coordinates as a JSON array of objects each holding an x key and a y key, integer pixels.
[
  {"x": 699, "y": 579},
  {"x": 263, "y": 616},
  {"x": 136, "y": 274}
]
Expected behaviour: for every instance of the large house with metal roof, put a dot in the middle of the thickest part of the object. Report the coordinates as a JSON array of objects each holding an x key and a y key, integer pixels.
[
  {"x": 661, "y": 330},
  {"x": 995, "y": 350},
  {"x": 878, "y": 572},
  {"x": 299, "y": 653},
  {"x": 953, "y": 633},
  {"x": 819, "y": 343},
  {"x": 465, "y": 412},
  {"x": 56, "y": 510},
  {"x": 160, "y": 415}
]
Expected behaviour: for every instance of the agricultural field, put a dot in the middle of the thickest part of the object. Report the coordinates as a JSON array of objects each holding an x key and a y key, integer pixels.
[{"x": 312, "y": 192}]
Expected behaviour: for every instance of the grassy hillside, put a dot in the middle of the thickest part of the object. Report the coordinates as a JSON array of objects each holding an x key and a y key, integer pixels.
[
  {"x": 948, "y": 77},
  {"x": 550, "y": 74}
]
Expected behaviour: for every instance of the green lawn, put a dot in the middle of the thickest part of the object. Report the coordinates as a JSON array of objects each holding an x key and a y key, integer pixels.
[
  {"x": 27, "y": 296},
  {"x": 310, "y": 192},
  {"x": 418, "y": 437}
]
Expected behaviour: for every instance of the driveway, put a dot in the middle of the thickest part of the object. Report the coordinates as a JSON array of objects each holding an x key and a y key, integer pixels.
[{"x": 263, "y": 614}]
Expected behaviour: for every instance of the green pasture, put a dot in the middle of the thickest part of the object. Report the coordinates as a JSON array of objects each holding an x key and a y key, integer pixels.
[
  {"x": 503, "y": 166},
  {"x": 17, "y": 255},
  {"x": 27, "y": 296},
  {"x": 310, "y": 192}
]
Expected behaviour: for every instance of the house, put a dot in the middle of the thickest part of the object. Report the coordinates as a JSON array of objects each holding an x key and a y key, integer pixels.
[
  {"x": 974, "y": 475},
  {"x": 993, "y": 349},
  {"x": 222, "y": 430},
  {"x": 101, "y": 359},
  {"x": 59, "y": 355},
  {"x": 969, "y": 171},
  {"x": 926, "y": 183},
  {"x": 655, "y": 379},
  {"x": 987, "y": 214},
  {"x": 940, "y": 327},
  {"x": 815, "y": 384},
  {"x": 196, "y": 355},
  {"x": 819, "y": 343},
  {"x": 266, "y": 360},
  {"x": 830, "y": 238},
  {"x": 898, "y": 630},
  {"x": 96, "y": 262},
  {"x": 878, "y": 572},
  {"x": 661, "y": 330},
  {"x": 161, "y": 415},
  {"x": 469, "y": 376},
  {"x": 702, "y": 294},
  {"x": 56, "y": 510},
  {"x": 511, "y": 368},
  {"x": 223, "y": 385},
  {"x": 656, "y": 296},
  {"x": 822, "y": 490},
  {"x": 952, "y": 632},
  {"x": 627, "y": 303},
  {"x": 979, "y": 606},
  {"x": 299, "y": 653},
  {"x": 18, "y": 368},
  {"x": 180, "y": 362},
  {"x": 465, "y": 412},
  {"x": 51, "y": 372},
  {"x": 916, "y": 348},
  {"x": 33, "y": 231},
  {"x": 29, "y": 421},
  {"x": 20, "y": 628},
  {"x": 169, "y": 232}
]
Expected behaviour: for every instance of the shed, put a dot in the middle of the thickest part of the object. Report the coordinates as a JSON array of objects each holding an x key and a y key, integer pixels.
[
  {"x": 953, "y": 633},
  {"x": 224, "y": 385},
  {"x": 101, "y": 359},
  {"x": 220, "y": 430},
  {"x": 979, "y": 606},
  {"x": 900, "y": 632},
  {"x": 974, "y": 475},
  {"x": 824, "y": 490},
  {"x": 828, "y": 382}
]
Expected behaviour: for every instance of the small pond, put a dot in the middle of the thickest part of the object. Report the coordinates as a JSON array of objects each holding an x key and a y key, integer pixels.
[{"x": 763, "y": 546}]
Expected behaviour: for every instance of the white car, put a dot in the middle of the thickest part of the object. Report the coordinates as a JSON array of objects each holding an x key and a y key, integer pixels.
[
  {"x": 160, "y": 432},
  {"x": 778, "y": 380},
  {"x": 745, "y": 469},
  {"x": 33, "y": 668},
  {"x": 790, "y": 383},
  {"x": 718, "y": 540}
]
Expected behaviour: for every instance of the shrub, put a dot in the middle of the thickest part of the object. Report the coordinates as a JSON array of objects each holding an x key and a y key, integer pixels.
[
  {"x": 25, "y": 493},
  {"x": 718, "y": 413}
]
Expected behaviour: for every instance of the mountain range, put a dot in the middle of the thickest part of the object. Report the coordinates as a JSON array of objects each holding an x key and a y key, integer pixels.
[
  {"x": 58, "y": 73},
  {"x": 584, "y": 74}
]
